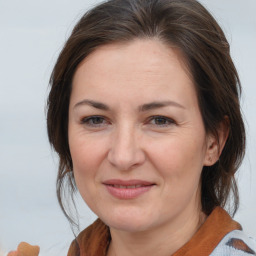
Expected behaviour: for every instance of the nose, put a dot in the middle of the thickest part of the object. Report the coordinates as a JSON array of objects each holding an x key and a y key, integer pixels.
[{"x": 125, "y": 151}]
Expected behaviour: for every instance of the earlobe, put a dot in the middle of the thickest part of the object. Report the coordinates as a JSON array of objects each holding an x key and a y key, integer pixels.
[{"x": 215, "y": 144}]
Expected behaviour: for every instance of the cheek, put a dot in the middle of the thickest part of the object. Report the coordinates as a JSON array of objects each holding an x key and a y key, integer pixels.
[
  {"x": 88, "y": 154},
  {"x": 178, "y": 158},
  {"x": 87, "y": 158},
  {"x": 85, "y": 149},
  {"x": 179, "y": 164}
]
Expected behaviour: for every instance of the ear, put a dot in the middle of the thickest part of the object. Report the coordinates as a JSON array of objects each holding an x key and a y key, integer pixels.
[{"x": 215, "y": 144}]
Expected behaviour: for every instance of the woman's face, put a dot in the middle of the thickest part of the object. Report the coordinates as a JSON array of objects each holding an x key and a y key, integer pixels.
[{"x": 136, "y": 136}]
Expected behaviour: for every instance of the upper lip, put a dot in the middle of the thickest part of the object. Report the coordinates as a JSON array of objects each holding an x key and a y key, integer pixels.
[{"x": 128, "y": 182}]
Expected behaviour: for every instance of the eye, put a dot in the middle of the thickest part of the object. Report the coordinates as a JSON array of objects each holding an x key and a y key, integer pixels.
[
  {"x": 161, "y": 121},
  {"x": 94, "y": 121}
]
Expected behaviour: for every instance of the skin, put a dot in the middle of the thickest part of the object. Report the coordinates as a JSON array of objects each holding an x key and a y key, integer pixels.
[{"x": 126, "y": 141}]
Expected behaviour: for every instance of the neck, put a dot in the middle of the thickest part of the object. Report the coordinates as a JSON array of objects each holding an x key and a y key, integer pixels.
[{"x": 161, "y": 241}]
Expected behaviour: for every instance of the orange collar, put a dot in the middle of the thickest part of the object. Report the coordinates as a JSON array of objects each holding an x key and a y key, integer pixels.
[
  {"x": 95, "y": 239},
  {"x": 216, "y": 226}
]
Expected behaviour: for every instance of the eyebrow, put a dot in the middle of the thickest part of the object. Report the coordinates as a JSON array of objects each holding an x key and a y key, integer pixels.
[
  {"x": 92, "y": 103},
  {"x": 159, "y": 104},
  {"x": 142, "y": 108}
]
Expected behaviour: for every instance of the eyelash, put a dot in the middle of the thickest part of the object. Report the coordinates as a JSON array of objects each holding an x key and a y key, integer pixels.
[
  {"x": 89, "y": 121},
  {"x": 168, "y": 121}
]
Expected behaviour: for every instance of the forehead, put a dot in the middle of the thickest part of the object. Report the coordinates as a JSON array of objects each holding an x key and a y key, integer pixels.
[
  {"x": 145, "y": 65},
  {"x": 149, "y": 52}
]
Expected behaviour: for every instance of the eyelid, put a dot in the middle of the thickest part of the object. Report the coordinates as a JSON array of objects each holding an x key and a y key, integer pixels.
[
  {"x": 170, "y": 121},
  {"x": 86, "y": 120}
]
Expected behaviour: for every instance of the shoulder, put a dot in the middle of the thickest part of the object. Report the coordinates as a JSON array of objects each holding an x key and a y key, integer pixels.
[{"x": 236, "y": 243}]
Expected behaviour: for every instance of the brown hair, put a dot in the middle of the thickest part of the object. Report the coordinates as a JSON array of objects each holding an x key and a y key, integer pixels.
[{"x": 184, "y": 24}]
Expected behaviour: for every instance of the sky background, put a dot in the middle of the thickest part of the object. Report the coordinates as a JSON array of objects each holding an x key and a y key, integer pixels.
[{"x": 32, "y": 34}]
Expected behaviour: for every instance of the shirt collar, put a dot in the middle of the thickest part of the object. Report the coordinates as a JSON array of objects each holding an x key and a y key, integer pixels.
[
  {"x": 95, "y": 239},
  {"x": 204, "y": 241}
]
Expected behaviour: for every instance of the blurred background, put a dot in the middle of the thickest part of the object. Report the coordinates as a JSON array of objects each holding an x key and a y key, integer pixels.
[{"x": 32, "y": 34}]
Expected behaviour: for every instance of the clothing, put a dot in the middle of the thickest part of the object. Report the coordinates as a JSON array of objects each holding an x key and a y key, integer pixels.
[{"x": 218, "y": 236}]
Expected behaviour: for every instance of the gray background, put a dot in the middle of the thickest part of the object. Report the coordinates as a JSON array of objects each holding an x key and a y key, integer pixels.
[{"x": 32, "y": 33}]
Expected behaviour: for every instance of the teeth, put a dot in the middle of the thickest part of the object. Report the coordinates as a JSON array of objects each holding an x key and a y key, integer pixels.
[{"x": 132, "y": 186}]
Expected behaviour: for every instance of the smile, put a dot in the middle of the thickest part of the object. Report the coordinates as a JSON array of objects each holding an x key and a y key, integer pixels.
[
  {"x": 132, "y": 186},
  {"x": 127, "y": 189}
]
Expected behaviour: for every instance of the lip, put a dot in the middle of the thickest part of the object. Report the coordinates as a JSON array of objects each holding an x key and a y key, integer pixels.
[{"x": 116, "y": 188}]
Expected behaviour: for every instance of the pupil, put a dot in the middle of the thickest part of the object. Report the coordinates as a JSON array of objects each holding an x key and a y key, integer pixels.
[
  {"x": 160, "y": 121},
  {"x": 97, "y": 120}
]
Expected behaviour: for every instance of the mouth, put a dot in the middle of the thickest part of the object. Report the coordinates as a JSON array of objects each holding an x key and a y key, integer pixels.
[
  {"x": 130, "y": 189},
  {"x": 132, "y": 186}
]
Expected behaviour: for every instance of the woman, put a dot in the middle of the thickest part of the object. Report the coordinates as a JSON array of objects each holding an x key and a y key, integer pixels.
[{"x": 144, "y": 114}]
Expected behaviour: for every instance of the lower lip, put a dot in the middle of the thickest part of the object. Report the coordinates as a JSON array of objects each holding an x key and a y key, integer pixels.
[{"x": 127, "y": 193}]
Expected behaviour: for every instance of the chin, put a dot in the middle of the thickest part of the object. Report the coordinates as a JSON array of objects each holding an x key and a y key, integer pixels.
[
  {"x": 129, "y": 220},
  {"x": 131, "y": 225}
]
